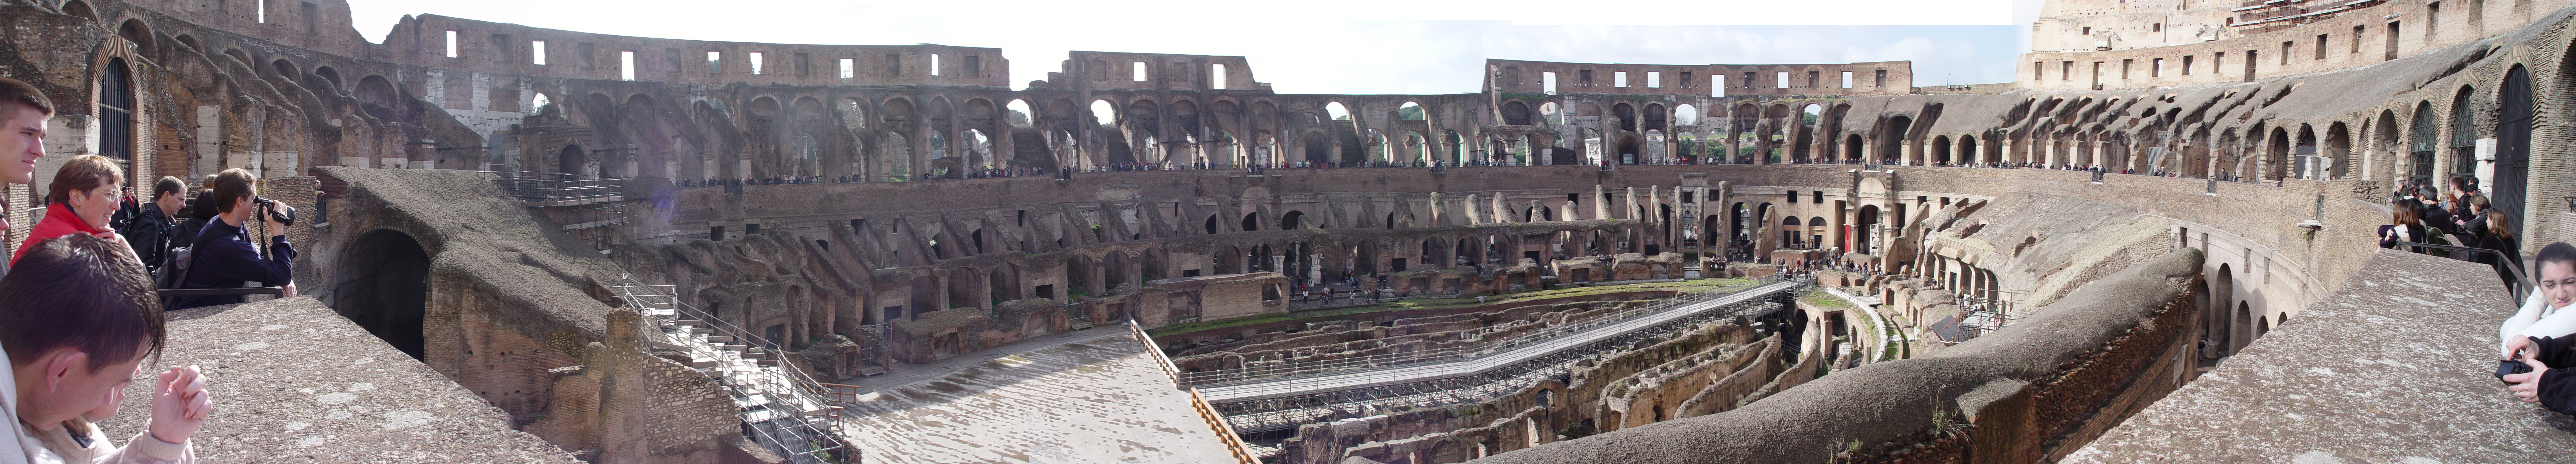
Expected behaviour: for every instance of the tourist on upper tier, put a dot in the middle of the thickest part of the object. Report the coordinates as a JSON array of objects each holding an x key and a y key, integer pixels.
[
  {"x": 2402, "y": 224},
  {"x": 152, "y": 231},
  {"x": 223, "y": 259},
  {"x": 2542, "y": 314},
  {"x": 200, "y": 211},
  {"x": 77, "y": 326},
  {"x": 2500, "y": 237},
  {"x": 2469, "y": 225},
  {"x": 84, "y": 192},
  {"x": 23, "y": 111},
  {"x": 2434, "y": 213}
]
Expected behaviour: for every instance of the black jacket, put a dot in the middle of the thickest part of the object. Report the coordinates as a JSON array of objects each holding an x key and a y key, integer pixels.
[
  {"x": 2388, "y": 240},
  {"x": 220, "y": 258},
  {"x": 2557, "y": 386},
  {"x": 151, "y": 234}
]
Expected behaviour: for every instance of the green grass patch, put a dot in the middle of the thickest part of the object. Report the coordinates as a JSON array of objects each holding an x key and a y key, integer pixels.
[{"x": 1407, "y": 304}]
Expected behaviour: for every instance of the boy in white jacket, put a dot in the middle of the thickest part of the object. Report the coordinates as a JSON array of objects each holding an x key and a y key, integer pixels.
[{"x": 78, "y": 319}]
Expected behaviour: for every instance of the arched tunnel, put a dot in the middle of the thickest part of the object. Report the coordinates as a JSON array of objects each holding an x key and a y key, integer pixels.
[{"x": 384, "y": 287}]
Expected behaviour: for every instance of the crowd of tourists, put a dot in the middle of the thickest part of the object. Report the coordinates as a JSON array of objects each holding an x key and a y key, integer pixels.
[{"x": 80, "y": 305}]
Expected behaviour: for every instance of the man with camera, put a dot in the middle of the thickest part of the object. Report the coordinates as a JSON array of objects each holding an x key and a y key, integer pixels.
[{"x": 223, "y": 259}]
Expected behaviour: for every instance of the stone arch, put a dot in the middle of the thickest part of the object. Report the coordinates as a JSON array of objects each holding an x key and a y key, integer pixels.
[
  {"x": 1292, "y": 220},
  {"x": 1516, "y": 113},
  {"x": 383, "y": 285},
  {"x": 2515, "y": 116},
  {"x": 139, "y": 34},
  {"x": 2337, "y": 150},
  {"x": 116, "y": 107},
  {"x": 81, "y": 9}
]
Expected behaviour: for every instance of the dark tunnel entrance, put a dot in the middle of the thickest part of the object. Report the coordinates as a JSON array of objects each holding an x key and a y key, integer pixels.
[{"x": 384, "y": 287}]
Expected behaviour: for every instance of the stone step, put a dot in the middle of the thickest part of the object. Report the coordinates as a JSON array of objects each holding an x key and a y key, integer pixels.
[
  {"x": 718, "y": 339},
  {"x": 691, "y": 322}
]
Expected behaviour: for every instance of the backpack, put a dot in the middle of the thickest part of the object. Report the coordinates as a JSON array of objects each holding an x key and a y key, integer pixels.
[{"x": 174, "y": 270}]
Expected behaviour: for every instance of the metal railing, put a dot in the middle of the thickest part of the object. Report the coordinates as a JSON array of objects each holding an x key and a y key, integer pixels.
[
  {"x": 1247, "y": 374},
  {"x": 2515, "y": 264},
  {"x": 790, "y": 434}
]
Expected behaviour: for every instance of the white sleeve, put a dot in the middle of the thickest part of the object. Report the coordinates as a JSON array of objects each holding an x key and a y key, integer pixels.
[{"x": 2521, "y": 320}]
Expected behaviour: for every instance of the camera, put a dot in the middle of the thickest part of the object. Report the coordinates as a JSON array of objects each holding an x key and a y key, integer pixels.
[
  {"x": 285, "y": 215},
  {"x": 2511, "y": 367}
]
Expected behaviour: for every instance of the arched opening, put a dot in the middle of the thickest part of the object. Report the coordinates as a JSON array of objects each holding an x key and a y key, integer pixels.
[
  {"x": 2513, "y": 145},
  {"x": 2464, "y": 133},
  {"x": 116, "y": 112},
  {"x": 2420, "y": 143},
  {"x": 1252, "y": 222},
  {"x": 1005, "y": 282},
  {"x": 384, "y": 287},
  {"x": 1516, "y": 113},
  {"x": 1941, "y": 150},
  {"x": 1865, "y": 230},
  {"x": 2338, "y": 151},
  {"x": 1411, "y": 111},
  {"x": 1293, "y": 220},
  {"x": 572, "y": 161},
  {"x": 81, "y": 9}
]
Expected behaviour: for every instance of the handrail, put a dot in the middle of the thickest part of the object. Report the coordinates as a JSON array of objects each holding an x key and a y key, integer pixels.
[{"x": 2515, "y": 264}]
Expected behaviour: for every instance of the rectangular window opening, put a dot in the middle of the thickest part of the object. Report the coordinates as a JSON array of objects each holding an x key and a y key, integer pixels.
[
  {"x": 537, "y": 51},
  {"x": 1781, "y": 80},
  {"x": 2038, "y": 70},
  {"x": 1654, "y": 80},
  {"x": 755, "y": 60},
  {"x": 2186, "y": 65},
  {"x": 1847, "y": 79},
  {"x": 715, "y": 62},
  {"x": 2288, "y": 46},
  {"x": 1815, "y": 79},
  {"x": 2356, "y": 37},
  {"x": 1138, "y": 68},
  {"x": 849, "y": 68},
  {"x": 894, "y": 64},
  {"x": 2156, "y": 67},
  {"x": 934, "y": 64},
  {"x": 1882, "y": 79},
  {"x": 2065, "y": 70},
  {"x": 1547, "y": 82},
  {"x": 1216, "y": 76},
  {"x": 1685, "y": 81},
  {"x": 262, "y": 17},
  {"x": 1618, "y": 78},
  {"x": 1717, "y": 85},
  {"x": 804, "y": 64},
  {"x": 2392, "y": 42},
  {"x": 626, "y": 65},
  {"x": 2125, "y": 64},
  {"x": 2321, "y": 46},
  {"x": 451, "y": 44}
]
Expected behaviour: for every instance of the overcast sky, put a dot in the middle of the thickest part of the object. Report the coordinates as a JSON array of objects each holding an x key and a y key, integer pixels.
[{"x": 1325, "y": 46}]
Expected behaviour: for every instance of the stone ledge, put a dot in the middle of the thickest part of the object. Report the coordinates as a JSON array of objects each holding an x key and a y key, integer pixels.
[
  {"x": 2396, "y": 367},
  {"x": 295, "y": 382}
]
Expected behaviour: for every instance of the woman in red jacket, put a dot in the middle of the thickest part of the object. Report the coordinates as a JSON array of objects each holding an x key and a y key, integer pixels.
[{"x": 85, "y": 192}]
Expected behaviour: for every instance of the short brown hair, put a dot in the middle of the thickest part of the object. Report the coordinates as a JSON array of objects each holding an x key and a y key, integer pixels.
[
  {"x": 81, "y": 292},
  {"x": 82, "y": 173},
  {"x": 169, "y": 185},
  {"x": 15, "y": 92},
  {"x": 230, "y": 187}
]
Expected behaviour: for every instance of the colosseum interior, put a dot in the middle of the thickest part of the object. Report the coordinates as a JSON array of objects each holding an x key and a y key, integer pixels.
[{"x": 617, "y": 249}]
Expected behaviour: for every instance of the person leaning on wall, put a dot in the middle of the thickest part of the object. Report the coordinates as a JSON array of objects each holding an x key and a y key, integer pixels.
[
  {"x": 152, "y": 230},
  {"x": 23, "y": 110},
  {"x": 221, "y": 258},
  {"x": 82, "y": 197}
]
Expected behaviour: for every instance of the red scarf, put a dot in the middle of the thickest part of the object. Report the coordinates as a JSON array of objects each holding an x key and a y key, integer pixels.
[{"x": 59, "y": 221}]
